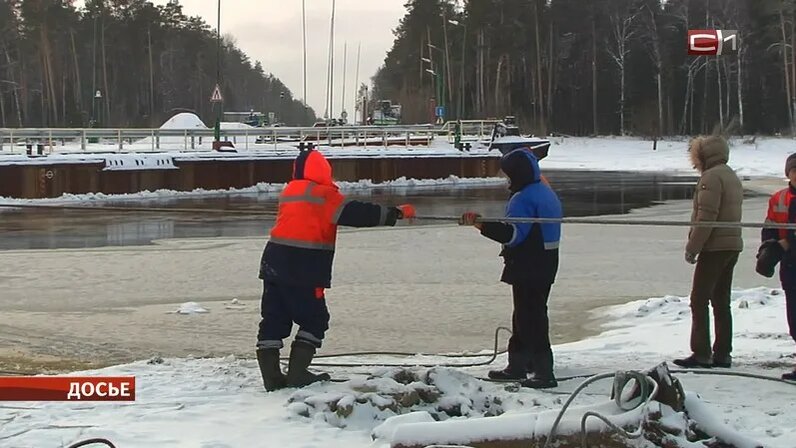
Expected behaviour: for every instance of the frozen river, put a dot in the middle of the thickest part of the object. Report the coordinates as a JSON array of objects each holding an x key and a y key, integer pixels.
[{"x": 80, "y": 289}]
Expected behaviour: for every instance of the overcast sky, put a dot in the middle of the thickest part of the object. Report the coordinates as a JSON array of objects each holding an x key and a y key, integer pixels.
[{"x": 270, "y": 31}]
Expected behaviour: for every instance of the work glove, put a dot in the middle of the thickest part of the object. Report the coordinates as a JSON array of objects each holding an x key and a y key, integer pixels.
[
  {"x": 768, "y": 255},
  {"x": 690, "y": 258},
  {"x": 407, "y": 211},
  {"x": 469, "y": 219}
]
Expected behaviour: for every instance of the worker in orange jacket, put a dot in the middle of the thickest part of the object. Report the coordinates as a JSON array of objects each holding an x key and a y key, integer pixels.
[
  {"x": 779, "y": 247},
  {"x": 296, "y": 266}
]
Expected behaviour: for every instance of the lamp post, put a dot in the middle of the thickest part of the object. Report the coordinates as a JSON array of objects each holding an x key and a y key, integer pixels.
[
  {"x": 440, "y": 92},
  {"x": 220, "y": 105},
  {"x": 98, "y": 107},
  {"x": 460, "y": 93},
  {"x": 96, "y": 114},
  {"x": 282, "y": 107},
  {"x": 437, "y": 99},
  {"x": 439, "y": 81}
]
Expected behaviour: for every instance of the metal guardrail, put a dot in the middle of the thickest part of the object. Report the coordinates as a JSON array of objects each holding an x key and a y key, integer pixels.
[{"x": 191, "y": 139}]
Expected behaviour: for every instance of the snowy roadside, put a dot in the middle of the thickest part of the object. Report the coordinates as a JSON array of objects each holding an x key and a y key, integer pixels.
[
  {"x": 220, "y": 402},
  {"x": 765, "y": 157}
]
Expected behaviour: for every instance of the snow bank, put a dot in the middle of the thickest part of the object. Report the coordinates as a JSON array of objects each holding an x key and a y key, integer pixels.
[
  {"x": 440, "y": 393},
  {"x": 765, "y": 156},
  {"x": 221, "y": 402},
  {"x": 707, "y": 421},
  {"x": 184, "y": 120},
  {"x": 386, "y": 431},
  {"x": 234, "y": 125}
]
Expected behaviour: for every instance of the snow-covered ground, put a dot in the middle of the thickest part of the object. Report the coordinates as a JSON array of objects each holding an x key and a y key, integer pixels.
[
  {"x": 221, "y": 403},
  {"x": 763, "y": 156}
]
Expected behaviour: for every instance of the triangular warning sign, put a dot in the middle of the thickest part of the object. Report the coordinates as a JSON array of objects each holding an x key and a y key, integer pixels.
[{"x": 216, "y": 98}]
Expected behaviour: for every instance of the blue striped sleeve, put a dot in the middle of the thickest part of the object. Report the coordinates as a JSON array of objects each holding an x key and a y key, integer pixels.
[{"x": 518, "y": 208}]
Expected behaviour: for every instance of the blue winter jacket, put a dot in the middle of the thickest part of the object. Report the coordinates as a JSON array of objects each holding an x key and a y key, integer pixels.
[{"x": 530, "y": 250}]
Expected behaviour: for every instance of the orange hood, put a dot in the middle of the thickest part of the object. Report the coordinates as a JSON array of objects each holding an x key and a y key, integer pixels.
[{"x": 312, "y": 165}]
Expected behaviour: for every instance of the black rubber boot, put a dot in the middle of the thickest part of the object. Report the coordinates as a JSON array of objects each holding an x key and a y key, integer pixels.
[
  {"x": 724, "y": 362},
  {"x": 268, "y": 359},
  {"x": 692, "y": 362},
  {"x": 516, "y": 369},
  {"x": 543, "y": 377},
  {"x": 301, "y": 355}
]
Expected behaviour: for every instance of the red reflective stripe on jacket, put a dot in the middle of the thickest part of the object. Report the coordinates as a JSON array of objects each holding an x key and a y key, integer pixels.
[
  {"x": 305, "y": 217},
  {"x": 778, "y": 206}
]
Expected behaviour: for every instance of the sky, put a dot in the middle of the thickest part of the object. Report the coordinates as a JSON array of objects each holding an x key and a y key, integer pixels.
[{"x": 269, "y": 31}]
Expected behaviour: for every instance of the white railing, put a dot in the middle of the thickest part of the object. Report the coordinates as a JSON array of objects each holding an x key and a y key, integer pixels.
[
  {"x": 118, "y": 140},
  {"x": 41, "y": 140}
]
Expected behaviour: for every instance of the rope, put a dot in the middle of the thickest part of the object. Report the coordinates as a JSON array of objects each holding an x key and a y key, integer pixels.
[
  {"x": 569, "y": 401},
  {"x": 621, "y": 379},
  {"x": 92, "y": 442},
  {"x": 492, "y": 357},
  {"x": 734, "y": 373},
  {"x": 590, "y": 221},
  {"x": 620, "y": 222}
]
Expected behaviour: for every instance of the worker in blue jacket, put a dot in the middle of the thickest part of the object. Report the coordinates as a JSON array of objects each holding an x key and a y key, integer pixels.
[{"x": 530, "y": 253}]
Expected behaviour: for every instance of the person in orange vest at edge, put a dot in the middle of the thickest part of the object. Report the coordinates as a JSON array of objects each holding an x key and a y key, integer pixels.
[
  {"x": 296, "y": 266},
  {"x": 778, "y": 247}
]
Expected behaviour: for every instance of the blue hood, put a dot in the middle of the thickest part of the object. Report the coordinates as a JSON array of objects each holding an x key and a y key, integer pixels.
[{"x": 521, "y": 167}]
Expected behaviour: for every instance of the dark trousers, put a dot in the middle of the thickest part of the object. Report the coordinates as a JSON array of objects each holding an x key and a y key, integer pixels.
[
  {"x": 712, "y": 285},
  {"x": 530, "y": 326},
  {"x": 790, "y": 304},
  {"x": 282, "y": 305}
]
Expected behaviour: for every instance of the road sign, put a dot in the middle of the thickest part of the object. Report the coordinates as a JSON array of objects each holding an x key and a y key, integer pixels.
[
  {"x": 440, "y": 111},
  {"x": 216, "y": 97}
]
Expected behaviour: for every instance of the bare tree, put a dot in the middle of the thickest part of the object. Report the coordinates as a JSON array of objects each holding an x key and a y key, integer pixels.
[
  {"x": 721, "y": 101},
  {"x": 594, "y": 69},
  {"x": 540, "y": 99},
  {"x": 785, "y": 65},
  {"x": 621, "y": 33},
  {"x": 696, "y": 65},
  {"x": 739, "y": 57},
  {"x": 654, "y": 50}
]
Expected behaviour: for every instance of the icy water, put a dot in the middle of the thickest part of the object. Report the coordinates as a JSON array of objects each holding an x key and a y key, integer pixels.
[
  {"x": 582, "y": 194},
  {"x": 83, "y": 289}
]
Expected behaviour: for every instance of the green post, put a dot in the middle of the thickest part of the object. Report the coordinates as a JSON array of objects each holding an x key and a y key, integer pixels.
[
  {"x": 440, "y": 90},
  {"x": 217, "y": 128},
  {"x": 457, "y": 136}
]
